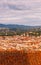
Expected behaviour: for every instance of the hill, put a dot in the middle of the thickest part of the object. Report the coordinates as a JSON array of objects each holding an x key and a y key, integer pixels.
[{"x": 13, "y": 29}]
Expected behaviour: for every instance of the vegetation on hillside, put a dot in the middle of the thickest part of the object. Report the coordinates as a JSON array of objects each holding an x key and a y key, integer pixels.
[{"x": 14, "y": 31}]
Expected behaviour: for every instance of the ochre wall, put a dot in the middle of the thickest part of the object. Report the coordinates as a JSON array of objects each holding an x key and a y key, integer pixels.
[{"x": 20, "y": 58}]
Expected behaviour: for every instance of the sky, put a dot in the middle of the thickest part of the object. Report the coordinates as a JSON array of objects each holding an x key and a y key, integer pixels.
[{"x": 22, "y": 12}]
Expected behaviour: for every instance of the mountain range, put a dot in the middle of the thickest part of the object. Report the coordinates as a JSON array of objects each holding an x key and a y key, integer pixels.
[{"x": 21, "y": 27}]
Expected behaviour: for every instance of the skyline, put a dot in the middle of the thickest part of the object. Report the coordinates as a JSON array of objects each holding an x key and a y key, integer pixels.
[{"x": 22, "y": 12}]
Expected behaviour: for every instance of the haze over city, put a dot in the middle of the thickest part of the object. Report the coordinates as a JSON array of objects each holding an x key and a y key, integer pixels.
[{"x": 22, "y": 12}]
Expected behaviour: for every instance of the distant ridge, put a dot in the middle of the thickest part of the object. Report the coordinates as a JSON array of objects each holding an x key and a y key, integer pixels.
[{"x": 11, "y": 26}]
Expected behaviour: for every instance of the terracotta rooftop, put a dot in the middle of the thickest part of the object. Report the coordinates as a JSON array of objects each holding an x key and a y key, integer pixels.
[{"x": 20, "y": 43}]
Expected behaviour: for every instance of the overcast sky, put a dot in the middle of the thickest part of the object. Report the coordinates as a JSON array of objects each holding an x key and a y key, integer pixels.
[{"x": 23, "y": 12}]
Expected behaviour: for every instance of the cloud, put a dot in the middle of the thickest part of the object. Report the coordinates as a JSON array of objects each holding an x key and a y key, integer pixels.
[
  {"x": 20, "y": 11},
  {"x": 20, "y": 4}
]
